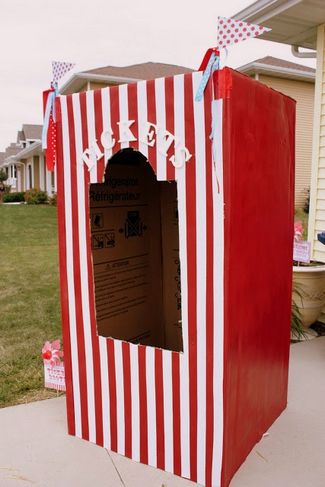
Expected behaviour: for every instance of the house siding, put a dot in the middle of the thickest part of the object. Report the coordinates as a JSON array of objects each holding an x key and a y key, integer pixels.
[
  {"x": 317, "y": 197},
  {"x": 303, "y": 92}
]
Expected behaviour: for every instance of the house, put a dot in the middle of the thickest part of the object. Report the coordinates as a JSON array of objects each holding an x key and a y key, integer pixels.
[
  {"x": 114, "y": 75},
  {"x": 25, "y": 164},
  {"x": 301, "y": 23},
  {"x": 24, "y": 161},
  {"x": 8, "y": 163},
  {"x": 298, "y": 82}
]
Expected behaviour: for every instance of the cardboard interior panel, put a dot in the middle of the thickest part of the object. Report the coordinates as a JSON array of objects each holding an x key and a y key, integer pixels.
[
  {"x": 171, "y": 267},
  {"x": 134, "y": 239}
]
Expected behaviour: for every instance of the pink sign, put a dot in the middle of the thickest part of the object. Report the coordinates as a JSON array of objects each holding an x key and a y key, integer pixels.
[
  {"x": 54, "y": 376},
  {"x": 301, "y": 251}
]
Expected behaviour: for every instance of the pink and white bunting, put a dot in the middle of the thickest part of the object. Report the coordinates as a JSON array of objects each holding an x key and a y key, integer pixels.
[
  {"x": 59, "y": 69},
  {"x": 231, "y": 31}
]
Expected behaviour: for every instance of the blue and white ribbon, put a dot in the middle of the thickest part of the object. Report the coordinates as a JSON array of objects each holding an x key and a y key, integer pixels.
[
  {"x": 50, "y": 109},
  {"x": 213, "y": 65}
]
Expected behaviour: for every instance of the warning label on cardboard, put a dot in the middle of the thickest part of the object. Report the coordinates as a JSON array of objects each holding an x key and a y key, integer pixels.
[
  {"x": 125, "y": 239},
  {"x": 135, "y": 248}
]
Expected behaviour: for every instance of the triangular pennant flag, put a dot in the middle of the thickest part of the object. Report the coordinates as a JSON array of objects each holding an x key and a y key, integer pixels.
[
  {"x": 60, "y": 69},
  {"x": 231, "y": 31},
  {"x": 49, "y": 128}
]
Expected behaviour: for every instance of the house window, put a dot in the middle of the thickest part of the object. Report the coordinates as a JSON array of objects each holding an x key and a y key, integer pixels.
[
  {"x": 135, "y": 249},
  {"x": 15, "y": 171},
  {"x": 52, "y": 180},
  {"x": 30, "y": 176}
]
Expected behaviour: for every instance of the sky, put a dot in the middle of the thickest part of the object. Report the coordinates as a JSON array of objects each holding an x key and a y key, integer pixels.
[{"x": 97, "y": 33}]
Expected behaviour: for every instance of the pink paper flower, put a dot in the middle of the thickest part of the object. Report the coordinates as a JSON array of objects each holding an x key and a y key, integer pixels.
[
  {"x": 298, "y": 231},
  {"x": 51, "y": 352}
]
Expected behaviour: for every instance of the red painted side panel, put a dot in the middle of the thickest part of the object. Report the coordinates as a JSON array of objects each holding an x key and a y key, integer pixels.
[{"x": 258, "y": 131}]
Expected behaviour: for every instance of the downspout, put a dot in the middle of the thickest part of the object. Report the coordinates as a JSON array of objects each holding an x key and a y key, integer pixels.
[{"x": 302, "y": 55}]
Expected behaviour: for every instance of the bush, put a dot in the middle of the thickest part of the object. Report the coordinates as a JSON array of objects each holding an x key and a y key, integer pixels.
[
  {"x": 307, "y": 201},
  {"x": 3, "y": 175},
  {"x": 53, "y": 199},
  {"x": 13, "y": 197},
  {"x": 35, "y": 197}
]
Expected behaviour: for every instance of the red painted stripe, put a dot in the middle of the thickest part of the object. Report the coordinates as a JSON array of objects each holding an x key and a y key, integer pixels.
[
  {"x": 176, "y": 412},
  {"x": 115, "y": 115},
  {"x": 143, "y": 405},
  {"x": 77, "y": 279},
  {"x": 94, "y": 336},
  {"x": 152, "y": 118},
  {"x": 133, "y": 113},
  {"x": 112, "y": 392},
  {"x": 63, "y": 276},
  {"x": 191, "y": 270},
  {"x": 160, "y": 423},
  {"x": 99, "y": 131},
  {"x": 170, "y": 126},
  {"x": 127, "y": 398},
  {"x": 209, "y": 291}
]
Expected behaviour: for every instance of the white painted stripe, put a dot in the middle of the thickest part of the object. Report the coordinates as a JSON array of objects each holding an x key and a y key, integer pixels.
[
  {"x": 80, "y": 185},
  {"x": 134, "y": 363},
  {"x": 48, "y": 179},
  {"x": 181, "y": 195},
  {"x": 70, "y": 278},
  {"x": 168, "y": 410},
  {"x": 119, "y": 397},
  {"x": 106, "y": 115},
  {"x": 161, "y": 126},
  {"x": 218, "y": 277},
  {"x": 200, "y": 183},
  {"x": 41, "y": 172},
  {"x": 105, "y": 391},
  {"x": 142, "y": 116},
  {"x": 151, "y": 406},
  {"x": 91, "y": 130},
  {"x": 124, "y": 109}
]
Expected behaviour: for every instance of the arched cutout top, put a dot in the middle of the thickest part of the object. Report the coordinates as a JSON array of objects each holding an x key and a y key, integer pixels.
[{"x": 135, "y": 248}]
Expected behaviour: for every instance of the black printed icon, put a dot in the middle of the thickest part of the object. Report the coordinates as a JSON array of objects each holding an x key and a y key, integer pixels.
[
  {"x": 110, "y": 240},
  {"x": 98, "y": 220},
  {"x": 133, "y": 225},
  {"x": 98, "y": 241}
]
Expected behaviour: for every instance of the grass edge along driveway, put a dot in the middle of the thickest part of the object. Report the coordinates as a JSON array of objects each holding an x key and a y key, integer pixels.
[{"x": 29, "y": 299}]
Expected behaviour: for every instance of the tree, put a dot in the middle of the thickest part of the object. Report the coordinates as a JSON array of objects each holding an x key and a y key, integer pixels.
[{"x": 3, "y": 175}]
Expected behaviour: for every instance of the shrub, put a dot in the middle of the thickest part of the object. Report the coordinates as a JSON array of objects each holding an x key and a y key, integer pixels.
[
  {"x": 35, "y": 197},
  {"x": 307, "y": 201},
  {"x": 13, "y": 197},
  {"x": 3, "y": 175},
  {"x": 53, "y": 199}
]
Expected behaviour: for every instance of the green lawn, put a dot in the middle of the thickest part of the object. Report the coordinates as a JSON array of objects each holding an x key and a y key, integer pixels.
[{"x": 29, "y": 299}]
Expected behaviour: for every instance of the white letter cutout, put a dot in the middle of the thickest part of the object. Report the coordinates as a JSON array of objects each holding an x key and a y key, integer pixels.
[
  {"x": 107, "y": 139},
  {"x": 125, "y": 132}
]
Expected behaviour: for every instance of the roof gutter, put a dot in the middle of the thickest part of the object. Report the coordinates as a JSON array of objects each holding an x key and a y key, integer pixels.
[
  {"x": 104, "y": 78},
  {"x": 27, "y": 151},
  {"x": 276, "y": 70},
  {"x": 302, "y": 55},
  {"x": 262, "y": 10}
]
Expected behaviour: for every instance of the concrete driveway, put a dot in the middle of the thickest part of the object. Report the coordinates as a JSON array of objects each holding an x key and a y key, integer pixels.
[{"x": 36, "y": 451}]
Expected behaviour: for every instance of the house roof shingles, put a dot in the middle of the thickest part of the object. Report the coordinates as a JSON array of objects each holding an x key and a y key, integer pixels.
[
  {"x": 143, "y": 71},
  {"x": 32, "y": 132},
  {"x": 281, "y": 63},
  {"x": 12, "y": 150}
]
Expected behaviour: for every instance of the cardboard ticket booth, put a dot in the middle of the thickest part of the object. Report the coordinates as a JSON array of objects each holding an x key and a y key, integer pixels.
[{"x": 175, "y": 230}]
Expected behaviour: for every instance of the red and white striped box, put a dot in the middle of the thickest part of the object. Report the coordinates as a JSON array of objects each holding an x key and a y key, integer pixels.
[{"x": 195, "y": 413}]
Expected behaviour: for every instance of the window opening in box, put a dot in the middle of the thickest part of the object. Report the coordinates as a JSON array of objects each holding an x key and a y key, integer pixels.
[{"x": 135, "y": 250}]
